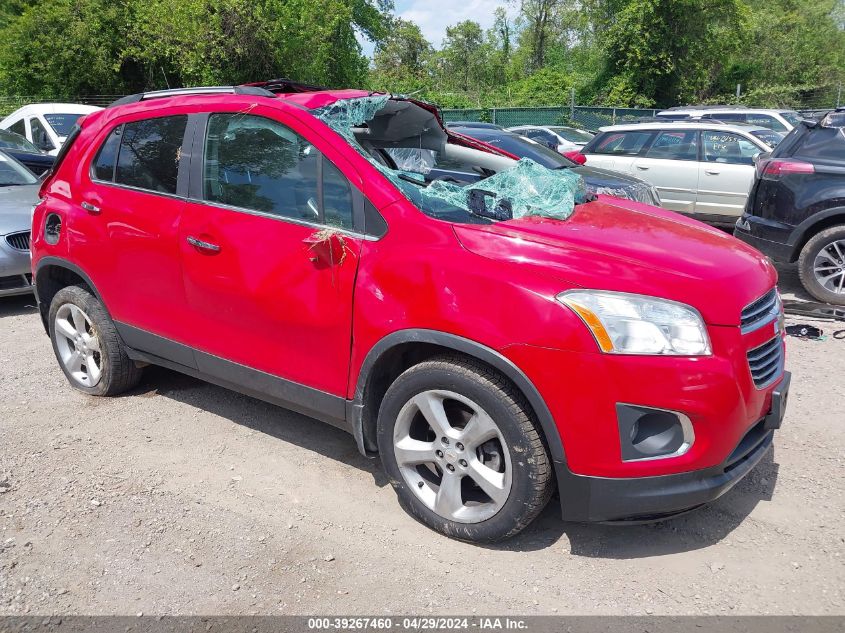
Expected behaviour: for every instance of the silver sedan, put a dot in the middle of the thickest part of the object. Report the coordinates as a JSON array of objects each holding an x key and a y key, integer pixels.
[{"x": 18, "y": 194}]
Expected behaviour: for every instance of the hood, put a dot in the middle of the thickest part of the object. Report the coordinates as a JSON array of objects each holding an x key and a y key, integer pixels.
[
  {"x": 647, "y": 251},
  {"x": 16, "y": 204}
]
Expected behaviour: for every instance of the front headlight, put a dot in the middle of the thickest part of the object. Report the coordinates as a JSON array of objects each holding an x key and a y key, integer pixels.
[{"x": 625, "y": 323}]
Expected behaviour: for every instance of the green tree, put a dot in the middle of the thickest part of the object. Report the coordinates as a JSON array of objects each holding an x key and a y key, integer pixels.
[
  {"x": 668, "y": 51},
  {"x": 401, "y": 62}
]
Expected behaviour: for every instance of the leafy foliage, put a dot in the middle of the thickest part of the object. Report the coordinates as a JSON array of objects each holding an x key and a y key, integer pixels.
[{"x": 638, "y": 53}]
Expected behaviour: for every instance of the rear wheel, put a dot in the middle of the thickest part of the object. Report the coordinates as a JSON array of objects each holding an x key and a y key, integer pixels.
[
  {"x": 821, "y": 265},
  {"x": 462, "y": 451},
  {"x": 87, "y": 346}
]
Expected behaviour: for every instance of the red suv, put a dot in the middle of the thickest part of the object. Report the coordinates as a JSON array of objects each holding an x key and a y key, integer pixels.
[{"x": 480, "y": 324}]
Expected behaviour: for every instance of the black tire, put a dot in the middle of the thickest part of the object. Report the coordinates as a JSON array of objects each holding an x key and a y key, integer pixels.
[
  {"x": 531, "y": 473},
  {"x": 806, "y": 263},
  {"x": 118, "y": 372}
]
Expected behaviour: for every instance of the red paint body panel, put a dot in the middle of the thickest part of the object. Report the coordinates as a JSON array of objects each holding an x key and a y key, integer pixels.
[{"x": 263, "y": 303}]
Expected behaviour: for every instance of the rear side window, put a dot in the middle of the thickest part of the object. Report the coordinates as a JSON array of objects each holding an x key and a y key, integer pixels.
[
  {"x": 255, "y": 163},
  {"x": 149, "y": 153},
  {"x": 724, "y": 147},
  {"x": 624, "y": 143},
  {"x": 730, "y": 117},
  {"x": 675, "y": 145}
]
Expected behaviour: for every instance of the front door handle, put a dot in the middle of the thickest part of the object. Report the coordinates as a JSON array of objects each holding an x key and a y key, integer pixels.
[
  {"x": 641, "y": 167},
  {"x": 202, "y": 245},
  {"x": 90, "y": 208},
  {"x": 712, "y": 172}
]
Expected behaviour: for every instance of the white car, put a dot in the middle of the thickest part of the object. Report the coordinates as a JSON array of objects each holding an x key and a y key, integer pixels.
[
  {"x": 46, "y": 125},
  {"x": 556, "y": 137},
  {"x": 700, "y": 169},
  {"x": 777, "y": 120}
]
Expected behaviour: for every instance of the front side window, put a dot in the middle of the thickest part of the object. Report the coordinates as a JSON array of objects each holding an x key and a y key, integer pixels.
[
  {"x": 40, "y": 138},
  {"x": 766, "y": 120},
  {"x": 724, "y": 147},
  {"x": 675, "y": 145},
  {"x": 149, "y": 153},
  {"x": 623, "y": 143},
  {"x": 255, "y": 163},
  {"x": 18, "y": 127}
]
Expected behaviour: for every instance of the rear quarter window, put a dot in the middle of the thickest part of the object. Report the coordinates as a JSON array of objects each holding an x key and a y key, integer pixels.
[{"x": 825, "y": 144}]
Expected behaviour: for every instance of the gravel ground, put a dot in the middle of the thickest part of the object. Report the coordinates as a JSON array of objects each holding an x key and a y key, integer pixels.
[{"x": 184, "y": 498}]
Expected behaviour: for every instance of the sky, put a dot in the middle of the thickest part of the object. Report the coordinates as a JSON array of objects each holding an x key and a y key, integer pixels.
[{"x": 433, "y": 16}]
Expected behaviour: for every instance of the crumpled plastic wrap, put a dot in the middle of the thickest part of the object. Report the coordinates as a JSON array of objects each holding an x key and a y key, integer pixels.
[
  {"x": 420, "y": 161},
  {"x": 530, "y": 188},
  {"x": 638, "y": 192}
]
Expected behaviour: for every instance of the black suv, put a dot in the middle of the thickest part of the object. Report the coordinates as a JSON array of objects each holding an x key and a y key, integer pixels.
[{"x": 796, "y": 208}]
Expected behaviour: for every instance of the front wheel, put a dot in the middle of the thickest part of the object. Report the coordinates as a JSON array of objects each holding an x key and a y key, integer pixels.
[
  {"x": 821, "y": 265},
  {"x": 462, "y": 450}
]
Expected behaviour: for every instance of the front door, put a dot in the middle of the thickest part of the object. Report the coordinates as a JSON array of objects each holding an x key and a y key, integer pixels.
[
  {"x": 726, "y": 173},
  {"x": 269, "y": 257}
]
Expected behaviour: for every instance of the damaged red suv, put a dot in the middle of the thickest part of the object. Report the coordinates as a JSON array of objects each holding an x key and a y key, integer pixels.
[{"x": 486, "y": 327}]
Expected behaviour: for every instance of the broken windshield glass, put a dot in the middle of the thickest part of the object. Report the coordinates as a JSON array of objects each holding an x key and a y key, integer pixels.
[{"x": 511, "y": 189}]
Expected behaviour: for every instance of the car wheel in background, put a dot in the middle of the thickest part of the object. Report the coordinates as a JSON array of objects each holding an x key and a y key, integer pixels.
[
  {"x": 87, "y": 345},
  {"x": 821, "y": 265},
  {"x": 461, "y": 450}
]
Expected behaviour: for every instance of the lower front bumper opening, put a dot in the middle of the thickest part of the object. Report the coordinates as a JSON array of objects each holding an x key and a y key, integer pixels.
[{"x": 646, "y": 499}]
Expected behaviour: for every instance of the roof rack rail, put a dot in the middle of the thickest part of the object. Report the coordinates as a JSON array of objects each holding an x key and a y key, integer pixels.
[
  {"x": 200, "y": 90},
  {"x": 707, "y": 107}
]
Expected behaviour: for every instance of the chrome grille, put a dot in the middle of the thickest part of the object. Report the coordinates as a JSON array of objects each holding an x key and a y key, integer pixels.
[
  {"x": 766, "y": 362},
  {"x": 18, "y": 241},
  {"x": 764, "y": 310}
]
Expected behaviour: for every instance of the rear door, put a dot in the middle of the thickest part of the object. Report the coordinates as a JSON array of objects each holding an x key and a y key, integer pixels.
[
  {"x": 269, "y": 247},
  {"x": 124, "y": 233},
  {"x": 617, "y": 149},
  {"x": 671, "y": 165},
  {"x": 726, "y": 173}
]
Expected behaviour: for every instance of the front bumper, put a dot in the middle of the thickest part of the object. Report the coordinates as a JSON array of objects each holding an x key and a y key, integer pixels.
[
  {"x": 585, "y": 498},
  {"x": 15, "y": 270}
]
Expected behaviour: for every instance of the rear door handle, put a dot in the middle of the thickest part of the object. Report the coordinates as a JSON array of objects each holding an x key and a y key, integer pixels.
[
  {"x": 90, "y": 208},
  {"x": 204, "y": 246},
  {"x": 712, "y": 172}
]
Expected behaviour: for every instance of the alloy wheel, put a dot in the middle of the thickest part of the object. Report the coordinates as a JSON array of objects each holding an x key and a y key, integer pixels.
[
  {"x": 78, "y": 345},
  {"x": 452, "y": 456},
  {"x": 829, "y": 267}
]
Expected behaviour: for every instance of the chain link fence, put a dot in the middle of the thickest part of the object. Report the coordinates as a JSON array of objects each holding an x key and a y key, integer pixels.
[
  {"x": 10, "y": 104},
  {"x": 587, "y": 117}
]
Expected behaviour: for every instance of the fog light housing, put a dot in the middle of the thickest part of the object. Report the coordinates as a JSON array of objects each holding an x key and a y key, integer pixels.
[{"x": 647, "y": 433}]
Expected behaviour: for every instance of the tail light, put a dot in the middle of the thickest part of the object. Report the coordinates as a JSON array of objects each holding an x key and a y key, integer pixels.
[
  {"x": 775, "y": 168},
  {"x": 575, "y": 156}
]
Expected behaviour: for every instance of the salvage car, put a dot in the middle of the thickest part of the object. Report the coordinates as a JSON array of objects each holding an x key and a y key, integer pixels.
[
  {"x": 18, "y": 194},
  {"x": 796, "y": 209},
  {"x": 702, "y": 169},
  {"x": 489, "y": 341},
  {"x": 46, "y": 125},
  {"x": 26, "y": 153},
  {"x": 596, "y": 180}
]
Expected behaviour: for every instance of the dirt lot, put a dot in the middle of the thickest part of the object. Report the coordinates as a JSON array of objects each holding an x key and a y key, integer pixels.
[{"x": 183, "y": 498}]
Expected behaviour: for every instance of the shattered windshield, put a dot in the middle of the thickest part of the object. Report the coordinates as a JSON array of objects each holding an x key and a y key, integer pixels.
[{"x": 500, "y": 188}]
